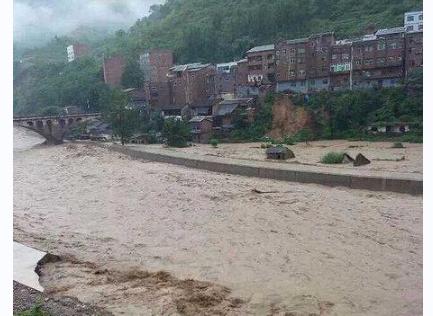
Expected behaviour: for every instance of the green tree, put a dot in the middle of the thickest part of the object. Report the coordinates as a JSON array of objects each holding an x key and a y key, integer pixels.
[
  {"x": 133, "y": 76},
  {"x": 176, "y": 132},
  {"x": 125, "y": 121}
]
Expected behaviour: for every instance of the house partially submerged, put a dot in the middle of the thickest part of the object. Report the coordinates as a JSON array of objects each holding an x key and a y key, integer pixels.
[
  {"x": 389, "y": 127},
  {"x": 201, "y": 129}
]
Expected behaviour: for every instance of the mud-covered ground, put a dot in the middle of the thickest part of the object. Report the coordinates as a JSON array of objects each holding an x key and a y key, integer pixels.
[
  {"x": 139, "y": 237},
  {"x": 384, "y": 159}
]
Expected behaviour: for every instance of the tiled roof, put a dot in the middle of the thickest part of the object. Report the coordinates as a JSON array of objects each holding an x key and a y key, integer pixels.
[{"x": 262, "y": 48}]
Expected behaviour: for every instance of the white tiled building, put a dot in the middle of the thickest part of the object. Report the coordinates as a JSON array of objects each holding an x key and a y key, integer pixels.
[{"x": 413, "y": 21}]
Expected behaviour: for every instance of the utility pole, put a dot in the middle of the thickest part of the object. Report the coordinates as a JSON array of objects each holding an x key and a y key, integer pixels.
[{"x": 351, "y": 67}]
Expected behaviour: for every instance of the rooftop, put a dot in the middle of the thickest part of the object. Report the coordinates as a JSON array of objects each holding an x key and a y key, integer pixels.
[
  {"x": 262, "y": 48},
  {"x": 393, "y": 30},
  {"x": 200, "y": 118},
  {"x": 193, "y": 66}
]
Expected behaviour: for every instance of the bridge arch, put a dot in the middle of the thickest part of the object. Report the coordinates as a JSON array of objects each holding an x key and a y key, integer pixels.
[{"x": 53, "y": 128}]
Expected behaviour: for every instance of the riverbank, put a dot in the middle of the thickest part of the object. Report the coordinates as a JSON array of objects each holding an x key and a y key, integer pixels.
[{"x": 298, "y": 248}]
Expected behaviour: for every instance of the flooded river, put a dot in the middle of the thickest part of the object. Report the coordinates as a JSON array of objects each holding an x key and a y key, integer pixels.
[{"x": 223, "y": 248}]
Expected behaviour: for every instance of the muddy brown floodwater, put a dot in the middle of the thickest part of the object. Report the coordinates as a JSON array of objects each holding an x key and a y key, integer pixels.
[{"x": 142, "y": 238}]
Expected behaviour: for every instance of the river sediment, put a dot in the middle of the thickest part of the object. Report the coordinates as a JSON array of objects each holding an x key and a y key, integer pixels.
[{"x": 301, "y": 249}]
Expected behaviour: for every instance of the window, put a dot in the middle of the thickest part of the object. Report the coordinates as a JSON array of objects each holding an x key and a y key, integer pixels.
[
  {"x": 393, "y": 45},
  {"x": 391, "y": 59},
  {"x": 270, "y": 56},
  {"x": 302, "y": 83},
  {"x": 368, "y": 62},
  {"x": 301, "y": 50},
  {"x": 291, "y": 73},
  {"x": 334, "y": 56},
  {"x": 345, "y": 56},
  {"x": 323, "y": 58},
  {"x": 368, "y": 48},
  {"x": 381, "y": 46},
  {"x": 292, "y": 60},
  {"x": 325, "y": 81},
  {"x": 313, "y": 82},
  {"x": 300, "y": 60},
  {"x": 420, "y": 17},
  {"x": 302, "y": 72},
  {"x": 284, "y": 51},
  {"x": 380, "y": 61},
  {"x": 409, "y": 28},
  {"x": 358, "y": 62},
  {"x": 293, "y": 84},
  {"x": 420, "y": 27},
  {"x": 410, "y": 18}
]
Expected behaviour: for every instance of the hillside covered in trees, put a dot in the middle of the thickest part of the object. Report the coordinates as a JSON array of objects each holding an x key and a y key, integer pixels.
[{"x": 197, "y": 31}]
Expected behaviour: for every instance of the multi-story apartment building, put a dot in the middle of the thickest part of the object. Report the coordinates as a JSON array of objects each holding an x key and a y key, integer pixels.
[
  {"x": 226, "y": 77},
  {"x": 319, "y": 61},
  {"x": 261, "y": 64},
  {"x": 77, "y": 50},
  {"x": 192, "y": 85},
  {"x": 155, "y": 65},
  {"x": 113, "y": 68},
  {"x": 414, "y": 51},
  {"x": 377, "y": 61},
  {"x": 341, "y": 65},
  {"x": 413, "y": 21},
  {"x": 291, "y": 65},
  {"x": 302, "y": 65}
]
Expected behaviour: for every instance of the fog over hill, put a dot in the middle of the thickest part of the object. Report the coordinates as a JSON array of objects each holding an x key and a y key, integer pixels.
[{"x": 37, "y": 21}]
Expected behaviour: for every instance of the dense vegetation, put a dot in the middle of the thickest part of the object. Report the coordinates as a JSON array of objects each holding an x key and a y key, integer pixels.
[{"x": 345, "y": 114}]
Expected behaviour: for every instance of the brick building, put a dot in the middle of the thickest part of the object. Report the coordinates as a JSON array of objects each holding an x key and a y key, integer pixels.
[
  {"x": 77, "y": 50},
  {"x": 261, "y": 64},
  {"x": 341, "y": 65},
  {"x": 303, "y": 65},
  {"x": 113, "y": 68},
  {"x": 318, "y": 61},
  {"x": 377, "y": 60},
  {"x": 193, "y": 85},
  {"x": 291, "y": 68},
  {"x": 155, "y": 65},
  {"x": 226, "y": 78},
  {"x": 414, "y": 51}
]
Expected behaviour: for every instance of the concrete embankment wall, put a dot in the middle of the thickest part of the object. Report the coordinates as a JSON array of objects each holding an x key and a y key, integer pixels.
[{"x": 410, "y": 186}]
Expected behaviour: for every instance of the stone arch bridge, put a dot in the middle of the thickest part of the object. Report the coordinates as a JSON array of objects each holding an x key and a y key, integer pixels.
[{"x": 53, "y": 128}]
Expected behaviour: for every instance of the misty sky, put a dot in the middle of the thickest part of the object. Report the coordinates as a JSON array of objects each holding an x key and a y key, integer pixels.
[{"x": 42, "y": 19}]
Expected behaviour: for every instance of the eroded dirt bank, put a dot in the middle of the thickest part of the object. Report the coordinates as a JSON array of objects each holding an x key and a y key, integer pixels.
[{"x": 305, "y": 250}]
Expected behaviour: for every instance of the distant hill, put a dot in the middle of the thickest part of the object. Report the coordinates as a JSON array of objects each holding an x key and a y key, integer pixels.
[
  {"x": 219, "y": 30},
  {"x": 197, "y": 30}
]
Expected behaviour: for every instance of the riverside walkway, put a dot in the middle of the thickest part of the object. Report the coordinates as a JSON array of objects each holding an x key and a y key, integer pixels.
[{"x": 355, "y": 179}]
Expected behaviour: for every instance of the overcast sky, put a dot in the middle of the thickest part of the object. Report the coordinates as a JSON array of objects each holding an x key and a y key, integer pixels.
[{"x": 42, "y": 19}]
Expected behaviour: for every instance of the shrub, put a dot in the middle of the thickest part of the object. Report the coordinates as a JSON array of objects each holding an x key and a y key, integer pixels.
[
  {"x": 35, "y": 311},
  {"x": 397, "y": 145},
  {"x": 264, "y": 146},
  {"x": 289, "y": 140},
  {"x": 332, "y": 158},
  {"x": 176, "y": 132},
  {"x": 214, "y": 142}
]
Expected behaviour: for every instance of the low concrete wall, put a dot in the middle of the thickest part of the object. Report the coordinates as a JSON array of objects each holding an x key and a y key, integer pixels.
[{"x": 409, "y": 186}]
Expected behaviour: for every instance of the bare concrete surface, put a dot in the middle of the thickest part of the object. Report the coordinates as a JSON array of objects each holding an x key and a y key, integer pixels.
[{"x": 25, "y": 262}]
